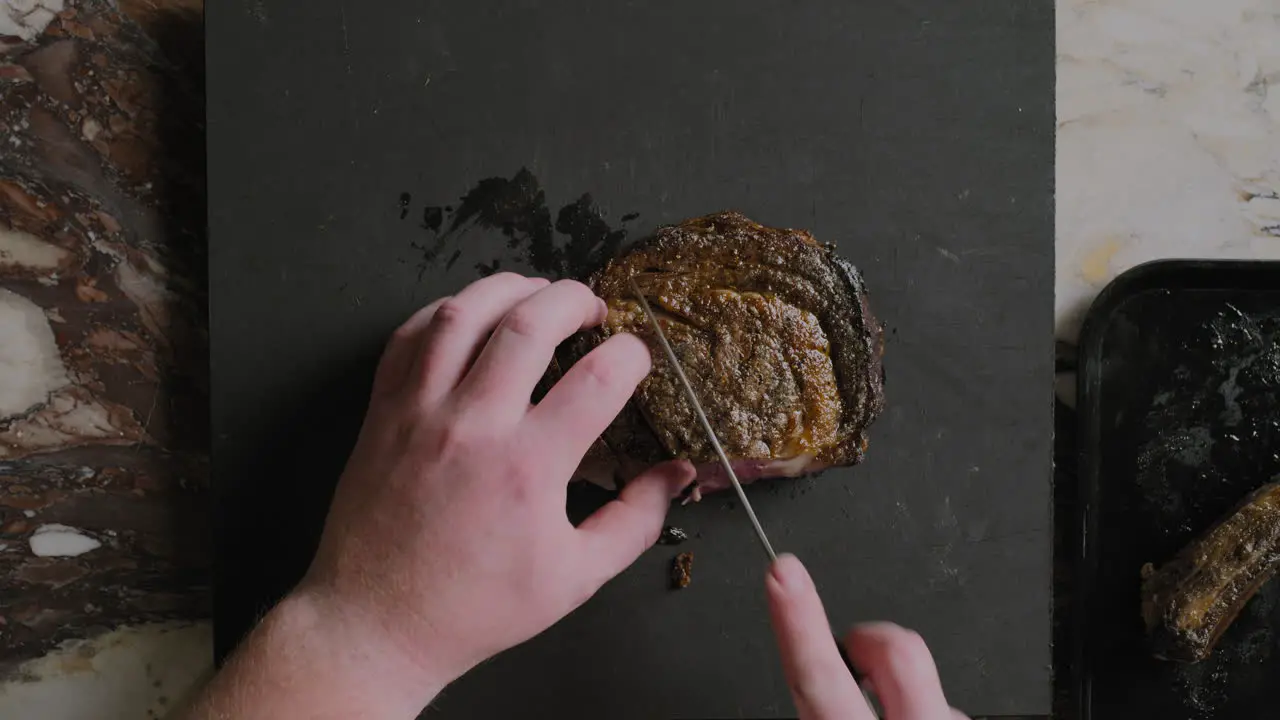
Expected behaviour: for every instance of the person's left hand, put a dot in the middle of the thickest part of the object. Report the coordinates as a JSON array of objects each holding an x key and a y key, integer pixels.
[{"x": 448, "y": 540}]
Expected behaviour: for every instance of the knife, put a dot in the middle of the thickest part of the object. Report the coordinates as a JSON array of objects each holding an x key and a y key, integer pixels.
[
  {"x": 724, "y": 459},
  {"x": 702, "y": 418}
]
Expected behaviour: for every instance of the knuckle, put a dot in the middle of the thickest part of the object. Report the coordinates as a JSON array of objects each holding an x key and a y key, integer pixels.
[
  {"x": 573, "y": 286},
  {"x": 519, "y": 476},
  {"x": 461, "y": 434},
  {"x": 906, "y": 654},
  {"x": 506, "y": 276},
  {"x": 576, "y": 292},
  {"x": 522, "y": 323},
  {"x": 597, "y": 372},
  {"x": 518, "y": 488},
  {"x": 413, "y": 326},
  {"x": 402, "y": 335},
  {"x": 403, "y": 432},
  {"x": 448, "y": 438},
  {"x": 451, "y": 313}
]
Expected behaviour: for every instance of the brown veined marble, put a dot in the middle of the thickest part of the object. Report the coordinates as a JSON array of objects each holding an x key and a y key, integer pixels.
[{"x": 103, "y": 340}]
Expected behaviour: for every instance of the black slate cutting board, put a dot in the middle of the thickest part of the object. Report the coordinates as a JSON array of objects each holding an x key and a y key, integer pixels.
[{"x": 365, "y": 158}]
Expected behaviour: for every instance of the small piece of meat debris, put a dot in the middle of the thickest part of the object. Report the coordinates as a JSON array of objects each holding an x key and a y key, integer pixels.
[
  {"x": 672, "y": 535},
  {"x": 682, "y": 571}
]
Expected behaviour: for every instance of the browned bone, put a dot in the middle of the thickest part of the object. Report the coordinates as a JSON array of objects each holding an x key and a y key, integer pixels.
[{"x": 1190, "y": 602}]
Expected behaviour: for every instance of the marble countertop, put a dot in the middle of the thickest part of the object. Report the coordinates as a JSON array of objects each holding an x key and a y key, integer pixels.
[
  {"x": 1168, "y": 138},
  {"x": 1168, "y": 146}
]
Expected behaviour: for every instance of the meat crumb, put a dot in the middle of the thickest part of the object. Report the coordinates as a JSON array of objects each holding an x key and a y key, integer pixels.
[{"x": 682, "y": 571}]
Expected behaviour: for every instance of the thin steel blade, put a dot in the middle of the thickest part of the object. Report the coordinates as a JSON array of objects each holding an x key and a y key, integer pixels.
[
  {"x": 702, "y": 418},
  {"x": 724, "y": 460}
]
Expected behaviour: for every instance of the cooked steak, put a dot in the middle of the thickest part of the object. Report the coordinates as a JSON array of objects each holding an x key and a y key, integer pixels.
[
  {"x": 1191, "y": 601},
  {"x": 775, "y": 335}
]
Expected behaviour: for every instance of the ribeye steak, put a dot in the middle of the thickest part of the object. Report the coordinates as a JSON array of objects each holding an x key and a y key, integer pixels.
[{"x": 775, "y": 335}]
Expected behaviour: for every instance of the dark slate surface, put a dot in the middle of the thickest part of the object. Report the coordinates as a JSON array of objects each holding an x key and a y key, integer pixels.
[{"x": 918, "y": 136}]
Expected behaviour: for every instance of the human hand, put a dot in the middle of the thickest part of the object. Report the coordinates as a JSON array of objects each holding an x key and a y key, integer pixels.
[
  {"x": 447, "y": 539},
  {"x": 898, "y": 667}
]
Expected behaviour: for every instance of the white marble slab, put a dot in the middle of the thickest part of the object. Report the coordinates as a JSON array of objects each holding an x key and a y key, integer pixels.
[
  {"x": 142, "y": 672},
  {"x": 1168, "y": 138}
]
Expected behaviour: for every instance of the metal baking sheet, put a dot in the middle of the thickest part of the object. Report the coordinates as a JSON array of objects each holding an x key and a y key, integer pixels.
[{"x": 1180, "y": 419}]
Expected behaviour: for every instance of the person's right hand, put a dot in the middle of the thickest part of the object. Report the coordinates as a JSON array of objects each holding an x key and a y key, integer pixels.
[{"x": 898, "y": 667}]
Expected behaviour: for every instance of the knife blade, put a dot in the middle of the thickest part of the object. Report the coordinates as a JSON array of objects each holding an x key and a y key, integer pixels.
[
  {"x": 702, "y": 418},
  {"x": 692, "y": 396}
]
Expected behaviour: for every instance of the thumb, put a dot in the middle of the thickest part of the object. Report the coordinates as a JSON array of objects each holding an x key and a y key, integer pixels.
[{"x": 616, "y": 534}]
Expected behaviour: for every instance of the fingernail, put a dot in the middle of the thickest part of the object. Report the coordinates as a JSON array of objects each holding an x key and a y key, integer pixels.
[
  {"x": 604, "y": 309},
  {"x": 790, "y": 573}
]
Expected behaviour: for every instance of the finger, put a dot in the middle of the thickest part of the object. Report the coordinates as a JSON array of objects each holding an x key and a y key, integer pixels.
[
  {"x": 616, "y": 534},
  {"x": 393, "y": 368},
  {"x": 583, "y": 403},
  {"x": 820, "y": 683},
  {"x": 521, "y": 347},
  {"x": 957, "y": 715},
  {"x": 462, "y": 324},
  {"x": 898, "y": 664}
]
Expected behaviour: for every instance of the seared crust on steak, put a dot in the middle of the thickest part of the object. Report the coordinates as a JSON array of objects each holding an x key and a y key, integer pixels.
[{"x": 773, "y": 330}]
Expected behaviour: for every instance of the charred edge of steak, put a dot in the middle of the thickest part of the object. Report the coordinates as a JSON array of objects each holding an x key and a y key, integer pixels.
[
  {"x": 1191, "y": 601},
  {"x": 871, "y": 336},
  {"x": 729, "y": 251}
]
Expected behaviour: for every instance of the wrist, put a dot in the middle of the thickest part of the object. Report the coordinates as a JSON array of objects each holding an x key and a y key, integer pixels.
[{"x": 366, "y": 651}]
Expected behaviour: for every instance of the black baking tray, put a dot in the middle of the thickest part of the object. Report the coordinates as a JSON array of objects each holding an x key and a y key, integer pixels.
[{"x": 1179, "y": 389}]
